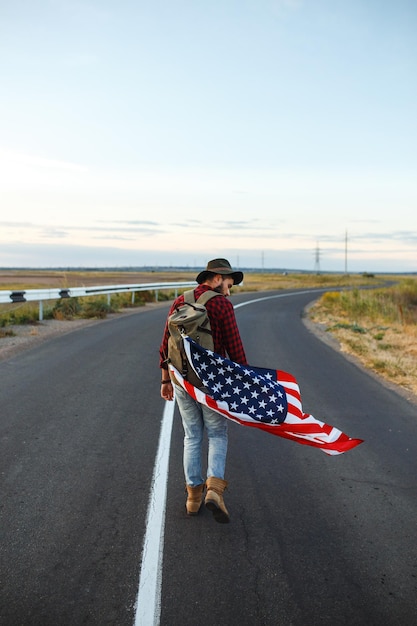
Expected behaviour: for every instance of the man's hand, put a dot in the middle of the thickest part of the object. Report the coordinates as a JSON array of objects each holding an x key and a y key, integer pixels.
[{"x": 167, "y": 390}]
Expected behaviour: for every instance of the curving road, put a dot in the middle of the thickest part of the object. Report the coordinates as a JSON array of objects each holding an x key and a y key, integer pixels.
[{"x": 314, "y": 539}]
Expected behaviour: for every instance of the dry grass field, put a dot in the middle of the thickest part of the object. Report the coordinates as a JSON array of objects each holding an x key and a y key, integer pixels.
[
  {"x": 378, "y": 327},
  {"x": 254, "y": 281},
  {"x": 57, "y": 279}
]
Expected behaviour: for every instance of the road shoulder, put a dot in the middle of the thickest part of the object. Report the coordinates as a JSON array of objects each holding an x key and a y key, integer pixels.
[{"x": 28, "y": 336}]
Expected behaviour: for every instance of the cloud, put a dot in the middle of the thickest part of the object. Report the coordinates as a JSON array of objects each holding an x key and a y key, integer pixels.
[
  {"x": 145, "y": 230},
  {"x": 54, "y": 233},
  {"x": 67, "y": 255},
  {"x": 113, "y": 238},
  {"x": 188, "y": 224},
  {"x": 140, "y": 227},
  {"x": 6, "y": 224},
  {"x": 9, "y": 158},
  {"x": 148, "y": 242},
  {"x": 40, "y": 255},
  {"x": 254, "y": 225},
  {"x": 240, "y": 224},
  {"x": 131, "y": 222},
  {"x": 404, "y": 236},
  {"x": 249, "y": 234},
  {"x": 145, "y": 227}
]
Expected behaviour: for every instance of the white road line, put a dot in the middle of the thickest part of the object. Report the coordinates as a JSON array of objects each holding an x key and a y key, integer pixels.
[
  {"x": 148, "y": 603},
  {"x": 279, "y": 295}
]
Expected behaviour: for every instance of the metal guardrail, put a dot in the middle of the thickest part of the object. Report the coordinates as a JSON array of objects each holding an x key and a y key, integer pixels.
[{"x": 40, "y": 295}]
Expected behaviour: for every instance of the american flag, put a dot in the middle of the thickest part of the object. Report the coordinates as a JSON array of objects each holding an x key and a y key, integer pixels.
[{"x": 258, "y": 397}]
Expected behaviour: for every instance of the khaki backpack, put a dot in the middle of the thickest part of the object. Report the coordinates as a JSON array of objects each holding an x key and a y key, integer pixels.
[{"x": 190, "y": 318}]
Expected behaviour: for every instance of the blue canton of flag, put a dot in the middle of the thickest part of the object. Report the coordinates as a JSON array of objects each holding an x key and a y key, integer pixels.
[{"x": 246, "y": 390}]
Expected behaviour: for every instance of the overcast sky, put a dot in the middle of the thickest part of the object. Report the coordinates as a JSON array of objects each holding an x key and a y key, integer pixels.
[{"x": 174, "y": 131}]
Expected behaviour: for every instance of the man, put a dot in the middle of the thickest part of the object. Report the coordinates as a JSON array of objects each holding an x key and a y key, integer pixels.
[{"x": 218, "y": 276}]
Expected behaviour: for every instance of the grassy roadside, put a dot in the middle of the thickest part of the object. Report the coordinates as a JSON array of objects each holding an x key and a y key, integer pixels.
[{"x": 378, "y": 327}]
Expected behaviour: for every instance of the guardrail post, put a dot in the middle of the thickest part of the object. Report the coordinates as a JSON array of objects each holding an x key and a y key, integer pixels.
[
  {"x": 40, "y": 310},
  {"x": 108, "y": 299},
  {"x": 156, "y": 295},
  {"x": 133, "y": 297}
]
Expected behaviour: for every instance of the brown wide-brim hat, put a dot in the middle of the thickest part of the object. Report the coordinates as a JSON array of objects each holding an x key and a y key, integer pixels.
[{"x": 220, "y": 266}]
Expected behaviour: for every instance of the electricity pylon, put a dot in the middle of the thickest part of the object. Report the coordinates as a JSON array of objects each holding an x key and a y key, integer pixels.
[{"x": 317, "y": 260}]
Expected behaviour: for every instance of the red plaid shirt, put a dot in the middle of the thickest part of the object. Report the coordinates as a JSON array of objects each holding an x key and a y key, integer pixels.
[{"x": 226, "y": 337}]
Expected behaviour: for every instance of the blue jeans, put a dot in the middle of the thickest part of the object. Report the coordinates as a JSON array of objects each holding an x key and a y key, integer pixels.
[{"x": 195, "y": 418}]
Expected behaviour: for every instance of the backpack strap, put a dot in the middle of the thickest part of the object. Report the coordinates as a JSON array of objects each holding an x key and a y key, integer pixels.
[
  {"x": 206, "y": 296},
  {"x": 189, "y": 296}
]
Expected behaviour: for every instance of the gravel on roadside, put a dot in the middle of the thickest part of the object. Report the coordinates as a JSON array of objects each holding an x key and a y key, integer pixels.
[{"x": 26, "y": 336}]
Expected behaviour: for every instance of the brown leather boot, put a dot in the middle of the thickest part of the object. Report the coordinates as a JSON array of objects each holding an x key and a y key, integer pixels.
[
  {"x": 214, "y": 499},
  {"x": 194, "y": 499}
]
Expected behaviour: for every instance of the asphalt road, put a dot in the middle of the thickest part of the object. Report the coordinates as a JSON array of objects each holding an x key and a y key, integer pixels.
[{"x": 313, "y": 540}]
